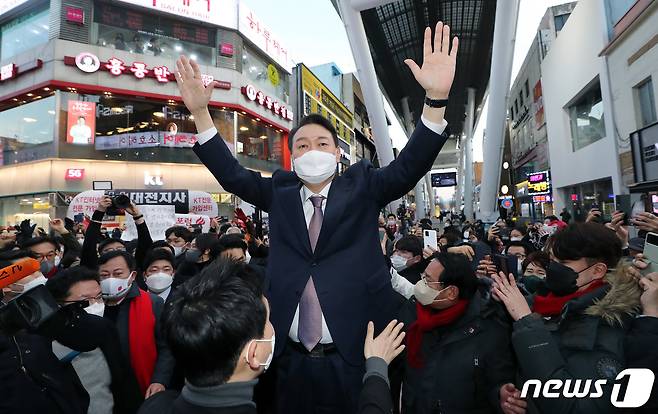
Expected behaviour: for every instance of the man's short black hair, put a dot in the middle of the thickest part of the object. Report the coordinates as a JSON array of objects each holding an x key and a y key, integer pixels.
[
  {"x": 104, "y": 243},
  {"x": 208, "y": 241},
  {"x": 212, "y": 318},
  {"x": 591, "y": 241},
  {"x": 232, "y": 241},
  {"x": 159, "y": 254},
  {"x": 392, "y": 215},
  {"x": 60, "y": 285},
  {"x": 181, "y": 232},
  {"x": 410, "y": 243},
  {"x": 39, "y": 240},
  {"x": 315, "y": 119},
  {"x": 130, "y": 261},
  {"x": 453, "y": 236},
  {"x": 162, "y": 244},
  {"x": 458, "y": 272},
  {"x": 224, "y": 227},
  {"x": 526, "y": 247}
]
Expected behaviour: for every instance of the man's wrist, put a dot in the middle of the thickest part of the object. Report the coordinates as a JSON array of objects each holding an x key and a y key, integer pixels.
[{"x": 437, "y": 95}]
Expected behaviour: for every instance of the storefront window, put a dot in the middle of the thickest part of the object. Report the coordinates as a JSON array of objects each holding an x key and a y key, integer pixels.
[
  {"x": 129, "y": 129},
  {"x": 34, "y": 207},
  {"x": 266, "y": 77},
  {"x": 152, "y": 35},
  {"x": 27, "y": 131},
  {"x": 259, "y": 147},
  {"x": 23, "y": 33},
  {"x": 586, "y": 116}
]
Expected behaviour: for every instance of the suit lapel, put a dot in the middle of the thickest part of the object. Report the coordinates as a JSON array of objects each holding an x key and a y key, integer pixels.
[
  {"x": 293, "y": 211},
  {"x": 339, "y": 194}
]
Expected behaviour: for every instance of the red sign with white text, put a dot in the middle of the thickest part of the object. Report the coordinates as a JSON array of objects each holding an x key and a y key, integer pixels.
[
  {"x": 74, "y": 174},
  {"x": 264, "y": 100},
  {"x": 75, "y": 15}
]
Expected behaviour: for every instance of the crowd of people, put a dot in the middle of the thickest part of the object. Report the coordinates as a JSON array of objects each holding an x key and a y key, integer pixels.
[{"x": 338, "y": 310}]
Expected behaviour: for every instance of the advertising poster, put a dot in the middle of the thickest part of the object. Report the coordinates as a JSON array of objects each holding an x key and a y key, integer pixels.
[{"x": 81, "y": 124}]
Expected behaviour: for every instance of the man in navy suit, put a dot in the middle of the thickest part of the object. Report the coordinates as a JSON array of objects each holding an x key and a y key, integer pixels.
[{"x": 327, "y": 275}]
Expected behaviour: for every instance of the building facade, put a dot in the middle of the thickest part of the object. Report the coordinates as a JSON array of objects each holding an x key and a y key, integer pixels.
[
  {"x": 527, "y": 122},
  {"x": 87, "y": 93}
]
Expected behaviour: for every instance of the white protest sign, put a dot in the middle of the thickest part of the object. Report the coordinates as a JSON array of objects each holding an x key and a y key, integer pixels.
[
  {"x": 86, "y": 202},
  {"x": 187, "y": 220},
  {"x": 158, "y": 219}
]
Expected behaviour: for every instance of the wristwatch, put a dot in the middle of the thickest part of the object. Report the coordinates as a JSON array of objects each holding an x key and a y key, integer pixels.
[{"x": 436, "y": 103}]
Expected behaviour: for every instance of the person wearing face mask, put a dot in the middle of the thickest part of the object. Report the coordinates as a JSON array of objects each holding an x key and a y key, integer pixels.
[
  {"x": 517, "y": 234},
  {"x": 325, "y": 283},
  {"x": 225, "y": 352},
  {"x": 100, "y": 368},
  {"x": 407, "y": 258},
  {"x": 534, "y": 272},
  {"x": 203, "y": 249},
  {"x": 27, "y": 355},
  {"x": 577, "y": 329},
  {"x": 159, "y": 272},
  {"x": 179, "y": 238},
  {"x": 458, "y": 354},
  {"x": 136, "y": 315},
  {"x": 49, "y": 252}
]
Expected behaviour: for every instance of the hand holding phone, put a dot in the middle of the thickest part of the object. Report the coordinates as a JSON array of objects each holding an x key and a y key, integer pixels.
[{"x": 430, "y": 240}]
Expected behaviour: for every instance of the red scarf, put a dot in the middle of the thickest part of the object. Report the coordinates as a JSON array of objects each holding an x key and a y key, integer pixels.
[
  {"x": 428, "y": 319},
  {"x": 141, "y": 337},
  {"x": 551, "y": 305}
]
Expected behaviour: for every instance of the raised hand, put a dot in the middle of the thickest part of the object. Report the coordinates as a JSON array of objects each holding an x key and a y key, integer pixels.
[
  {"x": 506, "y": 291},
  {"x": 387, "y": 345},
  {"x": 188, "y": 77},
  {"x": 438, "y": 68}
]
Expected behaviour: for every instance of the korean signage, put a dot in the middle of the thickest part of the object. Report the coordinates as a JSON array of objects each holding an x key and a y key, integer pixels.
[
  {"x": 217, "y": 12},
  {"x": 189, "y": 220},
  {"x": 74, "y": 174},
  {"x": 542, "y": 199},
  {"x": 81, "y": 125},
  {"x": 7, "y": 5},
  {"x": 178, "y": 198},
  {"x": 538, "y": 105},
  {"x": 146, "y": 139},
  {"x": 254, "y": 30},
  {"x": 8, "y": 71},
  {"x": 268, "y": 102},
  {"x": 89, "y": 63},
  {"x": 318, "y": 99},
  {"x": 539, "y": 183},
  {"x": 75, "y": 15}
]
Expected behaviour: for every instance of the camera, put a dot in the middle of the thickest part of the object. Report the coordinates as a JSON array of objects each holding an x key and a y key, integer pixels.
[
  {"x": 28, "y": 311},
  {"x": 120, "y": 202}
]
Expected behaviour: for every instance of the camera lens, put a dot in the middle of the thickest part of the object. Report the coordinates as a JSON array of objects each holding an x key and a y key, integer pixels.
[{"x": 121, "y": 201}]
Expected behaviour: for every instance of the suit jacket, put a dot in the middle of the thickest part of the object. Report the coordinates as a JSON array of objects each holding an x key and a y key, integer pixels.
[{"x": 350, "y": 274}]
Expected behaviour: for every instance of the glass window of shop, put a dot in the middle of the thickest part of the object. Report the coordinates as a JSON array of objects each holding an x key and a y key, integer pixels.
[
  {"x": 33, "y": 207},
  {"x": 265, "y": 76},
  {"x": 149, "y": 34},
  {"x": 131, "y": 129},
  {"x": 24, "y": 32},
  {"x": 259, "y": 147},
  {"x": 586, "y": 118},
  {"x": 27, "y": 131},
  {"x": 589, "y": 195}
]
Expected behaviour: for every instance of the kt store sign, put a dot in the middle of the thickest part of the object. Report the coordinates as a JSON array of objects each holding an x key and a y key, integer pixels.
[{"x": 89, "y": 63}]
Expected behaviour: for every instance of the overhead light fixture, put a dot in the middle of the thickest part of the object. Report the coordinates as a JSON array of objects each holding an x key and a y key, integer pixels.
[
  {"x": 15, "y": 99},
  {"x": 46, "y": 89},
  {"x": 30, "y": 120},
  {"x": 37, "y": 198},
  {"x": 30, "y": 94},
  {"x": 51, "y": 112},
  {"x": 263, "y": 137},
  {"x": 257, "y": 119},
  {"x": 25, "y": 200},
  {"x": 244, "y": 128},
  {"x": 116, "y": 109},
  {"x": 158, "y": 114}
]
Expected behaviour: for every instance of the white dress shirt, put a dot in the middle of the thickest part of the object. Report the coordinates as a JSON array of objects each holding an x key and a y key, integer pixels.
[
  {"x": 305, "y": 195},
  {"x": 165, "y": 294}
]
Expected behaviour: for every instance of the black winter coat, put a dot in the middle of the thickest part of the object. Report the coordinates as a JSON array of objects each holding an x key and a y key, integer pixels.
[
  {"x": 465, "y": 363},
  {"x": 641, "y": 353}
]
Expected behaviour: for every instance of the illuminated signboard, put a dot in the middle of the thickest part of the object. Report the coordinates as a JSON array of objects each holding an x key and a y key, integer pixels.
[{"x": 539, "y": 183}]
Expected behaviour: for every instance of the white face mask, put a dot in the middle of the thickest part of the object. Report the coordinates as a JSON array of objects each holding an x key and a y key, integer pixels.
[
  {"x": 81, "y": 241},
  {"x": 399, "y": 263},
  {"x": 114, "y": 288},
  {"x": 178, "y": 250},
  {"x": 315, "y": 166},
  {"x": 97, "y": 308},
  {"x": 267, "y": 363},
  {"x": 425, "y": 295},
  {"x": 467, "y": 234},
  {"x": 247, "y": 257},
  {"x": 516, "y": 238},
  {"x": 159, "y": 282}
]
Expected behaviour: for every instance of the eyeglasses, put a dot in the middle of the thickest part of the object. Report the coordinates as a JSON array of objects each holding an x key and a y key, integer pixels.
[
  {"x": 96, "y": 299},
  {"x": 426, "y": 278},
  {"x": 50, "y": 256}
]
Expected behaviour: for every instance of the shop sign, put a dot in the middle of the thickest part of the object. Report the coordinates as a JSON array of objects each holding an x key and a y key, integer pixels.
[
  {"x": 254, "y": 30},
  {"x": 75, "y": 15},
  {"x": 542, "y": 199},
  {"x": 147, "y": 139},
  {"x": 8, "y": 71},
  {"x": 216, "y": 12},
  {"x": 273, "y": 75},
  {"x": 507, "y": 203},
  {"x": 539, "y": 183},
  {"x": 538, "y": 105},
  {"x": 268, "y": 102},
  {"x": 74, "y": 174},
  {"x": 154, "y": 180},
  {"x": 89, "y": 63},
  {"x": 226, "y": 49}
]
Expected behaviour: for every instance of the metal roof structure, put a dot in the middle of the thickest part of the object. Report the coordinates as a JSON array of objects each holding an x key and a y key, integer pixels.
[{"x": 395, "y": 33}]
